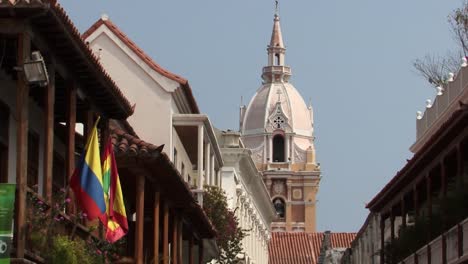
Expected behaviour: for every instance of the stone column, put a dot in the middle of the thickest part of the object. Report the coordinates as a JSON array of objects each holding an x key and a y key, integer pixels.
[
  {"x": 270, "y": 147},
  {"x": 212, "y": 170},
  {"x": 207, "y": 168},
  {"x": 288, "y": 215},
  {"x": 291, "y": 143},
  {"x": 200, "y": 165},
  {"x": 286, "y": 148}
]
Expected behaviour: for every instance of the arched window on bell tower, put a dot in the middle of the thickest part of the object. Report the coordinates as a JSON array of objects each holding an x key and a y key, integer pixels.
[
  {"x": 279, "y": 203},
  {"x": 278, "y": 148},
  {"x": 277, "y": 59}
]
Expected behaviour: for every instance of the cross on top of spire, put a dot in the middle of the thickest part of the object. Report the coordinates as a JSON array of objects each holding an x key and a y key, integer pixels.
[{"x": 276, "y": 8}]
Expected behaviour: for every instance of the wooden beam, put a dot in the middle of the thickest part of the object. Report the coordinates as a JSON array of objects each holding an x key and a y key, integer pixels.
[
  {"x": 190, "y": 250},
  {"x": 157, "y": 203},
  {"x": 175, "y": 238},
  {"x": 12, "y": 26},
  {"x": 88, "y": 123},
  {"x": 140, "y": 211},
  {"x": 382, "y": 238},
  {"x": 22, "y": 96},
  {"x": 200, "y": 251},
  {"x": 416, "y": 200},
  {"x": 166, "y": 234},
  {"x": 70, "y": 137},
  {"x": 403, "y": 211},
  {"x": 180, "y": 240},
  {"x": 460, "y": 167},
  {"x": 49, "y": 103},
  {"x": 429, "y": 204},
  {"x": 392, "y": 225}
]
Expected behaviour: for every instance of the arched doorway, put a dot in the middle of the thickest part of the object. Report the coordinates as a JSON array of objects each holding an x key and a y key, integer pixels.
[{"x": 278, "y": 148}]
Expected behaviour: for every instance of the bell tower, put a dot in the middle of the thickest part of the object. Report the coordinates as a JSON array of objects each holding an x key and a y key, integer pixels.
[{"x": 277, "y": 126}]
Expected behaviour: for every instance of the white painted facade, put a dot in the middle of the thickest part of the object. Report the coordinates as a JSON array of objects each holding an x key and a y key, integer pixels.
[
  {"x": 247, "y": 195},
  {"x": 163, "y": 112}
]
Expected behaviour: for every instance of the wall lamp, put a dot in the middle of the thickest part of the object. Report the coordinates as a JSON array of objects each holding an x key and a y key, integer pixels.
[{"x": 35, "y": 70}]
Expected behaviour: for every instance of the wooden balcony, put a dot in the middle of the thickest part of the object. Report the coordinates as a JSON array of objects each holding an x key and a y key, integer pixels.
[{"x": 451, "y": 247}]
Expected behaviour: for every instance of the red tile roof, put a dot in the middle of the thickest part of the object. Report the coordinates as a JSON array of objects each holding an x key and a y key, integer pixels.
[
  {"x": 341, "y": 240},
  {"x": 127, "y": 144},
  {"x": 303, "y": 248},
  {"x": 294, "y": 248},
  {"x": 52, "y": 12},
  {"x": 147, "y": 59}
]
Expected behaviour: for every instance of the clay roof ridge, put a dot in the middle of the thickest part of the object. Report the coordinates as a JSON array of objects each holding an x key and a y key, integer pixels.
[
  {"x": 145, "y": 57},
  {"x": 132, "y": 145},
  {"x": 62, "y": 15},
  {"x": 135, "y": 48}
]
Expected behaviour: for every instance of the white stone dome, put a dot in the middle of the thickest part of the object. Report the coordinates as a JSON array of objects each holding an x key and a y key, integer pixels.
[
  {"x": 262, "y": 109},
  {"x": 277, "y": 116}
]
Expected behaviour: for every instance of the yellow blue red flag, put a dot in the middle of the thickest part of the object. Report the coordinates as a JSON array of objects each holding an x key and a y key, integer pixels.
[
  {"x": 115, "y": 219},
  {"x": 86, "y": 180}
]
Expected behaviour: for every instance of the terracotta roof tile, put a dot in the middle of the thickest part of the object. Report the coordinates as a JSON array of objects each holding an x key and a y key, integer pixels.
[
  {"x": 146, "y": 58},
  {"x": 303, "y": 248},
  {"x": 341, "y": 240},
  {"x": 127, "y": 144},
  {"x": 294, "y": 247}
]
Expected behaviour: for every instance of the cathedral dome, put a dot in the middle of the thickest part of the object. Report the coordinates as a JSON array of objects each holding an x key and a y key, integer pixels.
[{"x": 278, "y": 106}]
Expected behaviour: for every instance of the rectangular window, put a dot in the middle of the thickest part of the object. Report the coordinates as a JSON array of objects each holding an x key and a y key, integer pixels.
[
  {"x": 182, "y": 170},
  {"x": 4, "y": 126},
  {"x": 33, "y": 159},
  {"x": 175, "y": 157}
]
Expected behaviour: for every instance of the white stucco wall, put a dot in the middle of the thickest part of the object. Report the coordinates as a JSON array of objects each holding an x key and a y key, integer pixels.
[
  {"x": 153, "y": 112},
  {"x": 251, "y": 217},
  {"x": 182, "y": 157}
]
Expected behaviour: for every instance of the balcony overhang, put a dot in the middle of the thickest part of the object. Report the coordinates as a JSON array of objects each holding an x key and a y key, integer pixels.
[{"x": 186, "y": 127}]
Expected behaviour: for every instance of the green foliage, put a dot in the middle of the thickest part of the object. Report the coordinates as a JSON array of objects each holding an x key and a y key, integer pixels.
[
  {"x": 62, "y": 251},
  {"x": 46, "y": 229},
  {"x": 230, "y": 234},
  {"x": 65, "y": 250}
]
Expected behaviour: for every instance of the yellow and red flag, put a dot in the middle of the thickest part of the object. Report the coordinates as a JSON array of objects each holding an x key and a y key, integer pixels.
[
  {"x": 86, "y": 180},
  {"x": 115, "y": 219}
]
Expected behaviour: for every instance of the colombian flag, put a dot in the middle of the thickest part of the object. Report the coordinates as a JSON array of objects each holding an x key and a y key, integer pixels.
[
  {"x": 86, "y": 181},
  {"x": 115, "y": 218}
]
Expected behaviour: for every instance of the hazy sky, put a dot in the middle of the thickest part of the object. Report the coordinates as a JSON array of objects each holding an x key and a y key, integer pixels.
[{"x": 352, "y": 59}]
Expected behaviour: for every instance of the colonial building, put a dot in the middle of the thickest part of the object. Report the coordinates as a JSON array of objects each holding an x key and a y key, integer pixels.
[
  {"x": 422, "y": 212},
  {"x": 166, "y": 111},
  {"x": 52, "y": 89},
  {"x": 247, "y": 196},
  {"x": 166, "y": 114},
  {"x": 277, "y": 126}
]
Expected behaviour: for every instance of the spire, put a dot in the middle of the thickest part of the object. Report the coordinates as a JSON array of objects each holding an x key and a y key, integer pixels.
[
  {"x": 276, "y": 36},
  {"x": 276, "y": 70}
]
